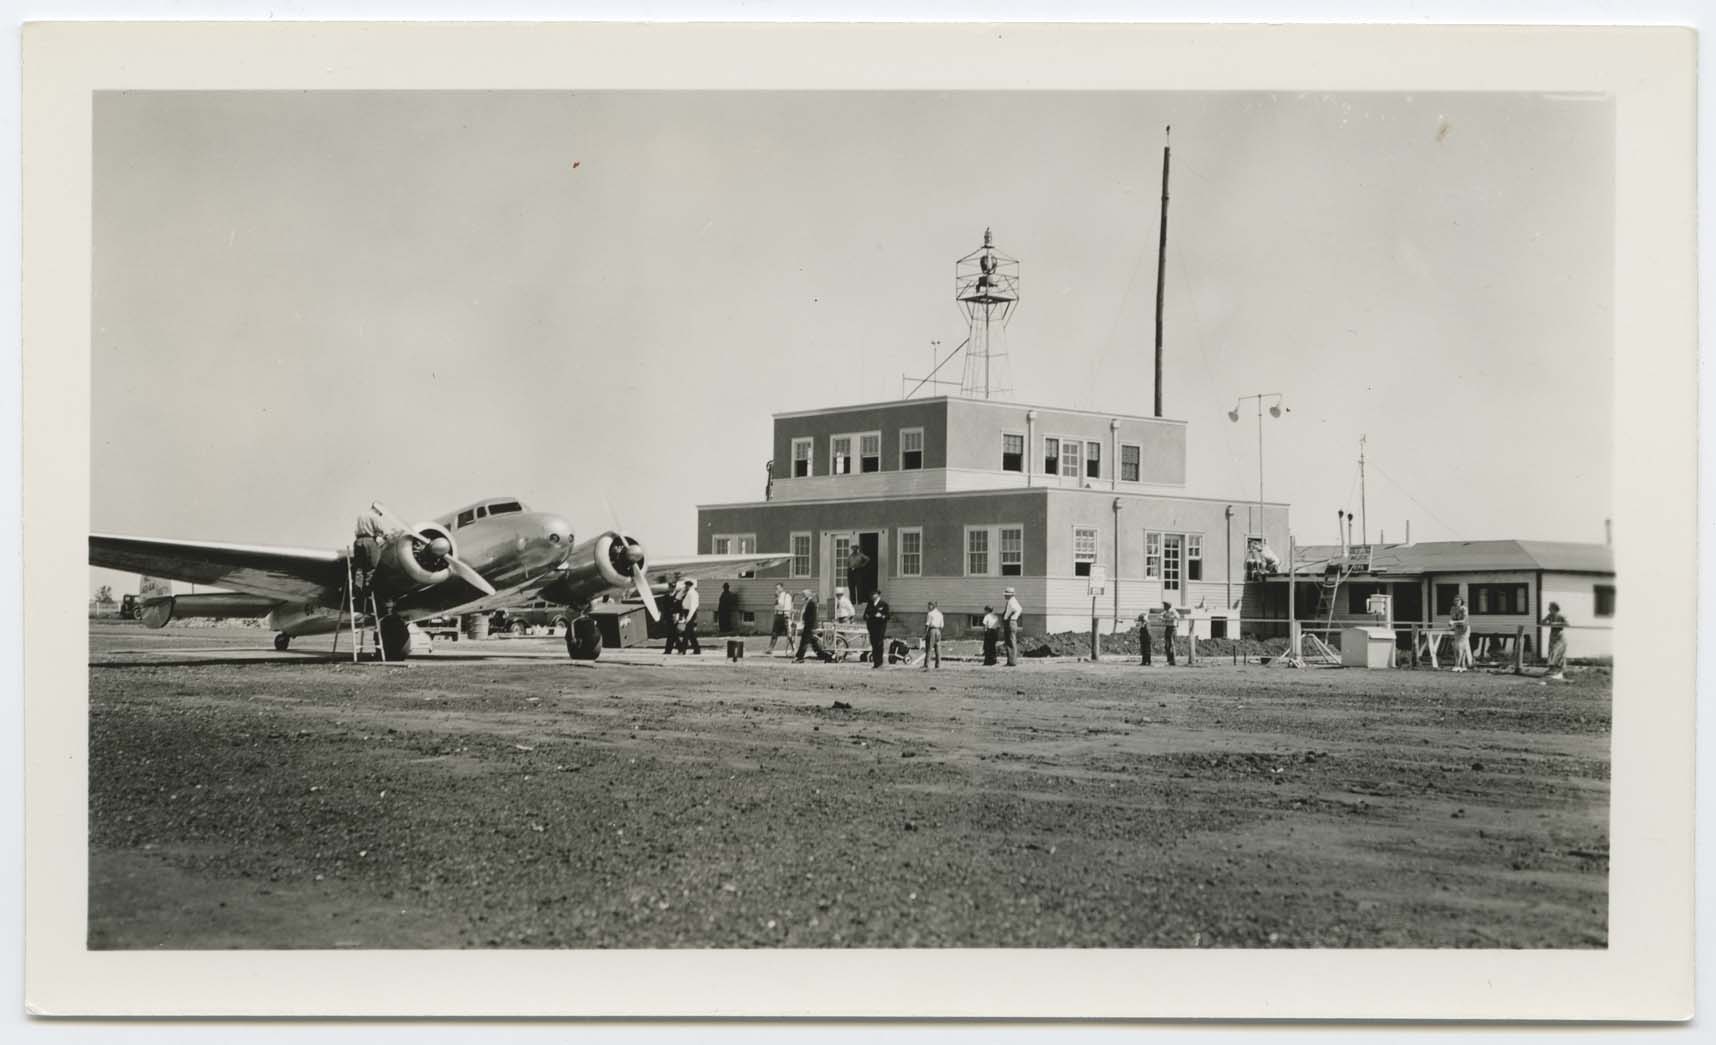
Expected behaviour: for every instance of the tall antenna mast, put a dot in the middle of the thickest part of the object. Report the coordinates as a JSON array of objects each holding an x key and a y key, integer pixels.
[
  {"x": 986, "y": 285},
  {"x": 1364, "y": 519},
  {"x": 1161, "y": 266}
]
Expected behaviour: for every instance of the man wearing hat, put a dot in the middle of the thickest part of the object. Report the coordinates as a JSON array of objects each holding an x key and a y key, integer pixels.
[
  {"x": 807, "y": 630},
  {"x": 1170, "y": 624},
  {"x": 876, "y": 614},
  {"x": 1010, "y": 614}
]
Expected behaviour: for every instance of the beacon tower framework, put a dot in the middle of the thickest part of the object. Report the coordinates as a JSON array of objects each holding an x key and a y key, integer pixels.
[{"x": 986, "y": 285}]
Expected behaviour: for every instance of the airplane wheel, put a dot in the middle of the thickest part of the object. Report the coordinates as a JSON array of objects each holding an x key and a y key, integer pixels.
[
  {"x": 584, "y": 640},
  {"x": 281, "y": 641},
  {"x": 395, "y": 638}
]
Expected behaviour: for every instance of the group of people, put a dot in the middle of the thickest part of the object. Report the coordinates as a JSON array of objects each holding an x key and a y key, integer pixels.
[
  {"x": 1170, "y": 620},
  {"x": 1459, "y": 622},
  {"x": 876, "y": 615},
  {"x": 681, "y": 618}
]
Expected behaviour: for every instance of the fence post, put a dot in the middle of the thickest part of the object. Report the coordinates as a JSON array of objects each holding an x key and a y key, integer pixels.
[
  {"x": 1519, "y": 649},
  {"x": 1414, "y": 647},
  {"x": 1093, "y": 639}
]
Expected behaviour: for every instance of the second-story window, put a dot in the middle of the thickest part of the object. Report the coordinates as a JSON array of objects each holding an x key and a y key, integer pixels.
[
  {"x": 1128, "y": 463},
  {"x": 840, "y": 455},
  {"x": 1051, "y": 456},
  {"x": 1012, "y": 452},
  {"x": 870, "y": 452},
  {"x": 1069, "y": 457},
  {"x": 801, "y": 450},
  {"x": 911, "y": 449},
  {"x": 1093, "y": 460}
]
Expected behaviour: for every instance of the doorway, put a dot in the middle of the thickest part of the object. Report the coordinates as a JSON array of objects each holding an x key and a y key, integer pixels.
[{"x": 863, "y": 569}]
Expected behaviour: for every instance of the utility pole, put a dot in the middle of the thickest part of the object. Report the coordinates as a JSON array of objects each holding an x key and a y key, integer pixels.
[
  {"x": 1364, "y": 518},
  {"x": 1161, "y": 266}
]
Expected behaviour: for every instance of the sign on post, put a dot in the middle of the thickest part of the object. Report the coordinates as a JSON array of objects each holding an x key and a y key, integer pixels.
[{"x": 1098, "y": 580}]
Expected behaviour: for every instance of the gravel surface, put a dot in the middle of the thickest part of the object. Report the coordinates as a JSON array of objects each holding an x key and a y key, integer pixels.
[{"x": 691, "y": 802}]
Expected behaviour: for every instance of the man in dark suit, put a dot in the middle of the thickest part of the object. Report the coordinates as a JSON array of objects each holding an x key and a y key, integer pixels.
[
  {"x": 876, "y": 614},
  {"x": 725, "y": 607},
  {"x": 807, "y": 631}
]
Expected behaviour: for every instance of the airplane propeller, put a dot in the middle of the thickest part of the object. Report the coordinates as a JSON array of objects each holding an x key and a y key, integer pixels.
[
  {"x": 441, "y": 548},
  {"x": 634, "y": 552}
]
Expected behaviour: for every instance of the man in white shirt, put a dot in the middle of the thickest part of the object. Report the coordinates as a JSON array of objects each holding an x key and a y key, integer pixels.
[
  {"x": 1010, "y": 615},
  {"x": 1170, "y": 627},
  {"x": 783, "y": 614},
  {"x": 932, "y": 637}
]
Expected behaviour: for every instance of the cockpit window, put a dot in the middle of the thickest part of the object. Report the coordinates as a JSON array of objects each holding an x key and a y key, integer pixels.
[
  {"x": 481, "y": 511},
  {"x": 467, "y": 517},
  {"x": 504, "y": 507}
]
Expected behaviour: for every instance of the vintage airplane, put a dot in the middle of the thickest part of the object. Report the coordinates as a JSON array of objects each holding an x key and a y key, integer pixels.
[{"x": 481, "y": 557}]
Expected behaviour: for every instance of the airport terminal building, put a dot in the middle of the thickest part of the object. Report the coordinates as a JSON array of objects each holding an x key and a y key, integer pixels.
[{"x": 955, "y": 499}]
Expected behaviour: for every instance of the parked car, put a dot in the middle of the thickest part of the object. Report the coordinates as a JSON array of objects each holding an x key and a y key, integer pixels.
[{"x": 538, "y": 614}]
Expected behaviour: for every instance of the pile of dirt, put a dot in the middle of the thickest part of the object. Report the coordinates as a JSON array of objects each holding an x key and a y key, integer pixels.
[{"x": 1077, "y": 644}]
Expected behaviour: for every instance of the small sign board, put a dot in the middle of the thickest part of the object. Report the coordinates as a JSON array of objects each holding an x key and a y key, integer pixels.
[
  {"x": 1359, "y": 558},
  {"x": 1098, "y": 580}
]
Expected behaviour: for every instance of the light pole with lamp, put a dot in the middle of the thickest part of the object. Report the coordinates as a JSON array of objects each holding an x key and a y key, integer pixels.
[{"x": 1276, "y": 409}]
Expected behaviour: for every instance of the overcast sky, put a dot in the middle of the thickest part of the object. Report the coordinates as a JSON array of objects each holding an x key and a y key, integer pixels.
[{"x": 305, "y": 301}]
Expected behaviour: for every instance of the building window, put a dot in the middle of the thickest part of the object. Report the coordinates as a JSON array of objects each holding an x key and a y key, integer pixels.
[
  {"x": 1129, "y": 455},
  {"x": 1084, "y": 550},
  {"x": 734, "y": 544},
  {"x": 911, "y": 449},
  {"x": 977, "y": 553},
  {"x": 1499, "y": 599},
  {"x": 1012, "y": 551},
  {"x": 1171, "y": 544},
  {"x": 911, "y": 552},
  {"x": 1051, "y": 456},
  {"x": 1603, "y": 600},
  {"x": 801, "y": 451},
  {"x": 801, "y": 555},
  {"x": 748, "y": 616},
  {"x": 1445, "y": 596},
  {"x": 1194, "y": 557},
  {"x": 1093, "y": 460},
  {"x": 1012, "y": 452},
  {"x": 1152, "y": 556},
  {"x": 840, "y": 455},
  {"x": 870, "y": 452},
  {"x": 1070, "y": 455}
]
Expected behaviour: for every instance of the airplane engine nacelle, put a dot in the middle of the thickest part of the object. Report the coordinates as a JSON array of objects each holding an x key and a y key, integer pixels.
[
  {"x": 602, "y": 563},
  {"x": 407, "y": 562}
]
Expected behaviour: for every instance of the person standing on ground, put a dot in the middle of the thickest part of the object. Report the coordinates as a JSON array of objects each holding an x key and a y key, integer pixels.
[
  {"x": 688, "y": 604},
  {"x": 1011, "y": 613},
  {"x": 1170, "y": 624},
  {"x": 1557, "y": 642},
  {"x": 1144, "y": 637},
  {"x": 725, "y": 606},
  {"x": 932, "y": 636},
  {"x": 1457, "y": 619},
  {"x": 991, "y": 635},
  {"x": 807, "y": 631},
  {"x": 783, "y": 615},
  {"x": 670, "y": 617},
  {"x": 876, "y": 614}
]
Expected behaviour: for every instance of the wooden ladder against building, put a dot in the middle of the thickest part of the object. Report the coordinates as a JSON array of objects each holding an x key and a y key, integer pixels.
[{"x": 1327, "y": 593}]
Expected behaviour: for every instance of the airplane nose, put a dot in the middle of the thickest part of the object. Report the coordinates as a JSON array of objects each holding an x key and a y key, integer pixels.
[{"x": 559, "y": 531}]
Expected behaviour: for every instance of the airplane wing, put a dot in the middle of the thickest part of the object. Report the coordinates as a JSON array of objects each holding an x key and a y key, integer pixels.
[
  {"x": 701, "y": 566},
  {"x": 286, "y": 574}
]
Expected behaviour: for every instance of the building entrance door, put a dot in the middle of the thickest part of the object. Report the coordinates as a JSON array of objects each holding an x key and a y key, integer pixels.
[
  {"x": 863, "y": 569},
  {"x": 1172, "y": 590}
]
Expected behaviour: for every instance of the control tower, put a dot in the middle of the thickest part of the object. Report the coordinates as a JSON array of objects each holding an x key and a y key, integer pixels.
[{"x": 986, "y": 285}]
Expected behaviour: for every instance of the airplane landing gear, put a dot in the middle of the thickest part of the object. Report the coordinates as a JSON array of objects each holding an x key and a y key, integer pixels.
[
  {"x": 395, "y": 637},
  {"x": 281, "y": 641},
  {"x": 584, "y": 639}
]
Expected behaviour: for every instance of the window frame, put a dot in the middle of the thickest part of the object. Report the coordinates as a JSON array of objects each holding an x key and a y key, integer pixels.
[
  {"x": 1482, "y": 599},
  {"x": 900, "y": 533},
  {"x": 862, "y": 457},
  {"x": 1001, "y": 563},
  {"x": 1178, "y": 581},
  {"x": 967, "y": 553},
  {"x": 919, "y": 432},
  {"x": 1137, "y": 464},
  {"x": 809, "y": 553},
  {"x": 848, "y": 438},
  {"x": 809, "y": 443},
  {"x": 1095, "y": 549},
  {"x": 1077, "y": 457},
  {"x": 1024, "y": 450},
  {"x": 1153, "y": 560},
  {"x": 993, "y": 542},
  {"x": 1052, "y": 462},
  {"x": 1093, "y": 458},
  {"x": 1599, "y": 594},
  {"x": 1194, "y": 540},
  {"x": 716, "y": 539}
]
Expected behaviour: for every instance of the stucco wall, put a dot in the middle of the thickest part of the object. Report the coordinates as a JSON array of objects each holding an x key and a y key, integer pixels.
[
  {"x": 928, "y": 414},
  {"x": 975, "y": 427}
]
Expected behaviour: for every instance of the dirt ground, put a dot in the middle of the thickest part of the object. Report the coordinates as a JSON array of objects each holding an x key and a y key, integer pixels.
[{"x": 274, "y": 801}]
